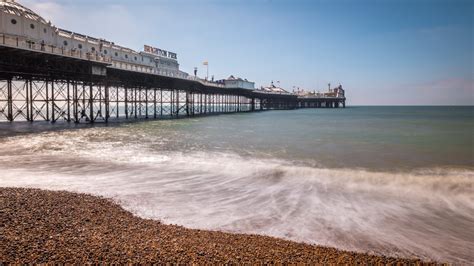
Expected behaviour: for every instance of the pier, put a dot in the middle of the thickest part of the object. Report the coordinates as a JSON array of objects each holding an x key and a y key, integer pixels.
[{"x": 44, "y": 79}]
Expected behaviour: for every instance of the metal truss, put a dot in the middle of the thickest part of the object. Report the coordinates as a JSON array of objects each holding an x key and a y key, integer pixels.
[{"x": 79, "y": 101}]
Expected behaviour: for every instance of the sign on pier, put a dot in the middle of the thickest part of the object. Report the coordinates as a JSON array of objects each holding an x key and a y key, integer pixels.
[{"x": 160, "y": 52}]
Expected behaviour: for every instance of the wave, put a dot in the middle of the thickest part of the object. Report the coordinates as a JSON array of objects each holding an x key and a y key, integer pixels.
[{"x": 426, "y": 213}]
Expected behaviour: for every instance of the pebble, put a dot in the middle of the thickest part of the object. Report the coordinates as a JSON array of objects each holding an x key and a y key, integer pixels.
[{"x": 84, "y": 229}]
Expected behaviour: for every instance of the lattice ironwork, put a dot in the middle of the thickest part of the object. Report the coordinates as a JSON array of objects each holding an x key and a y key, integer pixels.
[
  {"x": 39, "y": 100},
  {"x": 87, "y": 101}
]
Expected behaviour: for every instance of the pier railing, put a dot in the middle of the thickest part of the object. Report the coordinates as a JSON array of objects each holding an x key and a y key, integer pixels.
[
  {"x": 25, "y": 44},
  {"x": 320, "y": 96},
  {"x": 163, "y": 72}
]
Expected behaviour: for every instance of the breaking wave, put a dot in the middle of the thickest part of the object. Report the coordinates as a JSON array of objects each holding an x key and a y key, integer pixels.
[{"x": 425, "y": 213}]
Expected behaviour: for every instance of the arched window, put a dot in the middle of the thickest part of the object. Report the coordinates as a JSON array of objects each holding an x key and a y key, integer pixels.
[
  {"x": 135, "y": 58},
  {"x": 13, "y": 21},
  {"x": 65, "y": 43},
  {"x": 126, "y": 56},
  {"x": 116, "y": 54},
  {"x": 105, "y": 52},
  {"x": 45, "y": 31},
  {"x": 32, "y": 26},
  {"x": 93, "y": 49},
  {"x": 79, "y": 46}
]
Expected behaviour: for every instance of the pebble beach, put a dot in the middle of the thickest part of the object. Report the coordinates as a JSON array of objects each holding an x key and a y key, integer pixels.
[{"x": 40, "y": 226}]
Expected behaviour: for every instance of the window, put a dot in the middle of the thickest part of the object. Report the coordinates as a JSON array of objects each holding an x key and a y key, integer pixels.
[
  {"x": 93, "y": 49},
  {"x": 45, "y": 31},
  {"x": 32, "y": 26},
  {"x": 126, "y": 56},
  {"x": 13, "y": 21},
  {"x": 105, "y": 52},
  {"x": 135, "y": 58},
  {"x": 79, "y": 46},
  {"x": 65, "y": 43},
  {"x": 116, "y": 54}
]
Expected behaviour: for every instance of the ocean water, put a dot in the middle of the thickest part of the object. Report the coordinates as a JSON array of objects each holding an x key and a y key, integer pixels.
[{"x": 396, "y": 181}]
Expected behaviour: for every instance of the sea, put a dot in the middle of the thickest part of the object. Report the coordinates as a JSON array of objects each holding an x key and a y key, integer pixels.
[{"x": 395, "y": 181}]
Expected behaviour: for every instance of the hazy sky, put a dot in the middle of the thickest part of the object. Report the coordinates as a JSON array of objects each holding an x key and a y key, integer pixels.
[{"x": 382, "y": 52}]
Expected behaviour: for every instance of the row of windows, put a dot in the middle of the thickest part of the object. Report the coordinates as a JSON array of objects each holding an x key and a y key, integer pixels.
[
  {"x": 32, "y": 26},
  {"x": 79, "y": 46}
]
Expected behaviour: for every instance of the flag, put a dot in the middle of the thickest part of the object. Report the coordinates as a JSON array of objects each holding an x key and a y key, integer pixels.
[{"x": 205, "y": 63}]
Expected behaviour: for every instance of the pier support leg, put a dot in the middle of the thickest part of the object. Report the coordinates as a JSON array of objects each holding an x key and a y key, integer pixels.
[
  {"x": 154, "y": 103},
  {"x": 146, "y": 103},
  {"x": 53, "y": 109},
  {"x": 117, "y": 102},
  {"x": 126, "y": 103},
  {"x": 187, "y": 103},
  {"x": 170, "y": 100},
  {"x": 91, "y": 103},
  {"x": 99, "y": 112},
  {"x": 47, "y": 101},
  {"x": 68, "y": 101},
  {"x": 107, "y": 103},
  {"x": 177, "y": 103},
  {"x": 28, "y": 97},
  {"x": 32, "y": 118},
  {"x": 238, "y": 103},
  {"x": 9, "y": 101},
  {"x": 161, "y": 103},
  {"x": 135, "y": 101},
  {"x": 75, "y": 102}
]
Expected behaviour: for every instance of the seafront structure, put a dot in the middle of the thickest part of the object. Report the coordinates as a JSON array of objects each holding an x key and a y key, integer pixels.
[{"x": 48, "y": 73}]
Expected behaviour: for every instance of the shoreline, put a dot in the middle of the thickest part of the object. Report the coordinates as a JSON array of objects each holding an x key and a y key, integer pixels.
[{"x": 43, "y": 226}]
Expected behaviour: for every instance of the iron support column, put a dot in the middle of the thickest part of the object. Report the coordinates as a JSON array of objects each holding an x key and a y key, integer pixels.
[
  {"x": 91, "y": 103},
  {"x": 107, "y": 102},
  {"x": 47, "y": 101},
  {"x": 9, "y": 101},
  {"x": 68, "y": 101},
  {"x": 53, "y": 111}
]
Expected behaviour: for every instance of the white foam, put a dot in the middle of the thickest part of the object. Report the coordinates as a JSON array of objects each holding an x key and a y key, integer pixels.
[{"x": 428, "y": 213}]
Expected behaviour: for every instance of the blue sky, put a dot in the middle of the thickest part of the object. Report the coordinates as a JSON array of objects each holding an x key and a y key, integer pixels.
[{"x": 383, "y": 52}]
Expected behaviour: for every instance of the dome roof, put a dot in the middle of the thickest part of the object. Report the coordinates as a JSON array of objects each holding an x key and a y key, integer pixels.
[{"x": 14, "y": 8}]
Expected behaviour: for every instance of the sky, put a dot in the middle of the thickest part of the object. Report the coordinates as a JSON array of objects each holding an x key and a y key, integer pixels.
[{"x": 383, "y": 52}]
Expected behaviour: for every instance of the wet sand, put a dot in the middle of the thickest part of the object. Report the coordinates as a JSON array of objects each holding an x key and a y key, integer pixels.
[{"x": 39, "y": 226}]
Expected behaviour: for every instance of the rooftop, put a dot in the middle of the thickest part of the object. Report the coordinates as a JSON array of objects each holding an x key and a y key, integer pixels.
[{"x": 14, "y": 8}]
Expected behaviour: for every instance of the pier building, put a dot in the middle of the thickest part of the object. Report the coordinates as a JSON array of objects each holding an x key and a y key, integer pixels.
[
  {"x": 233, "y": 82},
  {"x": 49, "y": 73},
  {"x": 273, "y": 89}
]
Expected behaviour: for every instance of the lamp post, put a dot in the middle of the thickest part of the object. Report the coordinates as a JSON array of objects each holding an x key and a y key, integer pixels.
[{"x": 206, "y": 63}]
